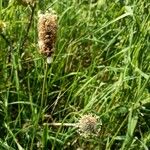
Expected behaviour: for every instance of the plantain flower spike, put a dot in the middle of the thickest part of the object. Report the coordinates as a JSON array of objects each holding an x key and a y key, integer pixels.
[
  {"x": 88, "y": 125},
  {"x": 47, "y": 30}
]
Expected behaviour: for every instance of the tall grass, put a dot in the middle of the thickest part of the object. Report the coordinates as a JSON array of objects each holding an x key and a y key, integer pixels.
[{"x": 101, "y": 66}]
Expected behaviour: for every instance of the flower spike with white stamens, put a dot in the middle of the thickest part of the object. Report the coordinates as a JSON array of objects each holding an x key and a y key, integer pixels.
[{"x": 47, "y": 30}]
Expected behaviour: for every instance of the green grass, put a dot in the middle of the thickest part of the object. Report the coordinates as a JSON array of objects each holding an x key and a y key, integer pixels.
[{"x": 101, "y": 66}]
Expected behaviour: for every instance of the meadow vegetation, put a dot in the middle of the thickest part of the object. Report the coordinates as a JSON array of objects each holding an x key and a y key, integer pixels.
[{"x": 101, "y": 66}]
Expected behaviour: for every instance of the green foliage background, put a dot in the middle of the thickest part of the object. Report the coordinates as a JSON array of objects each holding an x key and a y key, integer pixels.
[{"x": 101, "y": 65}]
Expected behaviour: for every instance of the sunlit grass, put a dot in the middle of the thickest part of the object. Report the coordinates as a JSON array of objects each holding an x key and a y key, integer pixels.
[{"x": 100, "y": 66}]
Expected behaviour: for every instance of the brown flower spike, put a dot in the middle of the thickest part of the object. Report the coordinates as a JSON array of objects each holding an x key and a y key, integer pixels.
[{"x": 47, "y": 30}]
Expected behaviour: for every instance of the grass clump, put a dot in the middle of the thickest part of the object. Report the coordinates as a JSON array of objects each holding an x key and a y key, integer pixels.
[{"x": 100, "y": 66}]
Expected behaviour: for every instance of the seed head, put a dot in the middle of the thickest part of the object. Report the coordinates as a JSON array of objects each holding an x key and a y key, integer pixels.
[
  {"x": 88, "y": 124},
  {"x": 47, "y": 30}
]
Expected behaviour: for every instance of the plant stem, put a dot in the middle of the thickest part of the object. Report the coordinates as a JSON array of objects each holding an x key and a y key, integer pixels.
[{"x": 61, "y": 124}]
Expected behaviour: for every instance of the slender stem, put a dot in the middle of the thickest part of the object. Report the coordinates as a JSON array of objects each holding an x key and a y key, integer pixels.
[
  {"x": 61, "y": 124},
  {"x": 41, "y": 106},
  {"x": 44, "y": 86}
]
